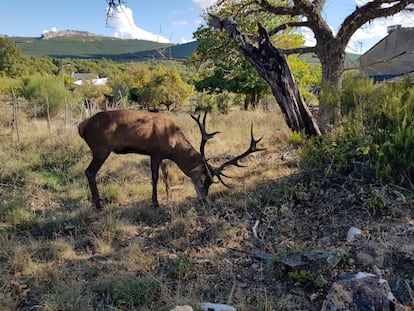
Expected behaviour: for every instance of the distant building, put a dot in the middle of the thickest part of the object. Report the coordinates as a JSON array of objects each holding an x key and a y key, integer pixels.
[
  {"x": 392, "y": 56},
  {"x": 87, "y": 78}
]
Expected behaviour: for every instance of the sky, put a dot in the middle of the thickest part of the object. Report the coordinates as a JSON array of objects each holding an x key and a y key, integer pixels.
[{"x": 157, "y": 20}]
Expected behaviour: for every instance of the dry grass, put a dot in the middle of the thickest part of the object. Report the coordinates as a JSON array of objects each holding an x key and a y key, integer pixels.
[{"x": 58, "y": 253}]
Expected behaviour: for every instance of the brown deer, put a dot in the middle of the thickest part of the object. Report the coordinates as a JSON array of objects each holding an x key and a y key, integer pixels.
[{"x": 155, "y": 135}]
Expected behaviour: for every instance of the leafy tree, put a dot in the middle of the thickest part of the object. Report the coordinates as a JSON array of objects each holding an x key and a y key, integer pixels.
[
  {"x": 47, "y": 92},
  {"x": 7, "y": 85},
  {"x": 162, "y": 85},
  {"x": 330, "y": 47},
  {"x": 40, "y": 65},
  {"x": 93, "y": 95},
  {"x": 224, "y": 67},
  {"x": 168, "y": 88},
  {"x": 269, "y": 62},
  {"x": 11, "y": 58}
]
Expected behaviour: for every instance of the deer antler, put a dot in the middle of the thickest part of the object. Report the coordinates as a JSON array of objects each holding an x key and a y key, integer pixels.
[
  {"x": 235, "y": 161},
  {"x": 204, "y": 135}
]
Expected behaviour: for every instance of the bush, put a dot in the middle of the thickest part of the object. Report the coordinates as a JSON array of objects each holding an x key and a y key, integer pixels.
[
  {"x": 47, "y": 92},
  {"x": 378, "y": 131}
]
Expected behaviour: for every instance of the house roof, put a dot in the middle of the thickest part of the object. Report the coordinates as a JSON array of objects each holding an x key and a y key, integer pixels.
[
  {"x": 392, "y": 56},
  {"x": 100, "y": 81}
]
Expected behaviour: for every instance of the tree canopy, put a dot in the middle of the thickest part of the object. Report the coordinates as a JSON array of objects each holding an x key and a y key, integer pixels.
[{"x": 330, "y": 46}]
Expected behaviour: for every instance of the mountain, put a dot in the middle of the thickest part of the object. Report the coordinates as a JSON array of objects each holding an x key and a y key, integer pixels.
[{"x": 78, "y": 44}]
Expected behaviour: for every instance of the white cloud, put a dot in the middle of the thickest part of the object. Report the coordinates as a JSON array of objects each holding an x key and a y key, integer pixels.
[
  {"x": 203, "y": 3},
  {"x": 121, "y": 19},
  {"x": 180, "y": 24},
  {"x": 184, "y": 40},
  {"x": 53, "y": 29},
  {"x": 372, "y": 32}
]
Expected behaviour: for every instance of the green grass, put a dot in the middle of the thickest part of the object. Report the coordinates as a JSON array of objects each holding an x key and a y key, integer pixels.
[{"x": 130, "y": 255}]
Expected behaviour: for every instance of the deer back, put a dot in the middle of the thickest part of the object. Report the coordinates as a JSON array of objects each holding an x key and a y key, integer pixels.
[{"x": 131, "y": 131}]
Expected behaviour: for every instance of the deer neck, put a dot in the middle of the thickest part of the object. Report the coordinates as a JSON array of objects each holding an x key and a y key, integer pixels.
[{"x": 186, "y": 157}]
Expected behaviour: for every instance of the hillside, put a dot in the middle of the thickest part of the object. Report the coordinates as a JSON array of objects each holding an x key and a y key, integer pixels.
[{"x": 86, "y": 45}]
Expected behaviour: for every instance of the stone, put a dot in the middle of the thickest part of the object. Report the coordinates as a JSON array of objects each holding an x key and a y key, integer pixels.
[
  {"x": 365, "y": 259},
  {"x": 362, "y": 292}
]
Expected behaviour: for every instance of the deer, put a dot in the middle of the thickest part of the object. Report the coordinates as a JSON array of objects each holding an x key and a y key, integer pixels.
[{"x": 160, "y": 138}]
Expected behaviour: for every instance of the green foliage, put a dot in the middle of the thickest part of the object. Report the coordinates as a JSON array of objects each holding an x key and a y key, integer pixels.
[
  {"x": 222, "y": 65},
  {"x": 306, "y": 74},
  {"x": 85, "y": 47},
  {"x": 297, "y": 139},
  {"x": 69, "y": 297},
  {"x": 204, "y": 102},
  {"x": 168, "y": 88},
  {"x": 278, "y": 194},
  {"x": 184, "y": 264},
  {"x": 11, "y": 58},
  {"x": 160, "y": 85},
  {"x": 15, "y": 212},
  {"x": 137, "y": 292},
  {"x": 307, "y": 278},
  {"x": 47, "y": 92},
  {"x": 8, "y": 85},
  {"x": 336, "y": 152},
  {"x": 378, "y": 131}
]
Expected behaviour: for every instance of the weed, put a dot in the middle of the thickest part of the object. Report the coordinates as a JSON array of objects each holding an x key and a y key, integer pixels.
[
  {"x": 184, "y": 264},
  {"x": 375, "y": 199},
  {"x": 68, "y": 297},
  {"x": 307, "y": 279},
  {"x": 137, "y": 292}
]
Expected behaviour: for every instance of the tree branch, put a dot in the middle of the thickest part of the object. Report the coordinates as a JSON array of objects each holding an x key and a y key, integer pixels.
[
  {"x": 301, "y": 50},
  {"x": 286, "y": 25},
  {"x": 368, "y": 12},
  {"x": 278, "y": 10}
]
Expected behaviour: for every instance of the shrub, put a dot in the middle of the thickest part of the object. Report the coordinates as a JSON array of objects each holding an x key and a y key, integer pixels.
[
  {"x": 378, "y": 130},
  {"x": 47, "y": 92}
]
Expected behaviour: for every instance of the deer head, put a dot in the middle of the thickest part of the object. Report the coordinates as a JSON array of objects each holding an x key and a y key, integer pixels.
[{"x": 206, "y": 176}]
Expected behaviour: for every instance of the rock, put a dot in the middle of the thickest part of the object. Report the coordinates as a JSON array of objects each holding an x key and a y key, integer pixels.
[
  {"x": 402, "y": 291},
  {"x": 353, "y": 232},
  {"x": 208, "y": 306},
  {"x": 362, "y": 292},
  {"x": 365, "y": 259},
  {"x": 318, "y": 254}
]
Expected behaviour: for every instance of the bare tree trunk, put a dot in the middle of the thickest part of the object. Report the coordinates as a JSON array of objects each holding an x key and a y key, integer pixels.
[
  {"x": 333, "y": 63},
  {"x": 272, "y": 66}
]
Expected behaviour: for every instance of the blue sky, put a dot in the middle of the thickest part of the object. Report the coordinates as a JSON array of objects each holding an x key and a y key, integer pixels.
[{"x": 161, "y": 20}]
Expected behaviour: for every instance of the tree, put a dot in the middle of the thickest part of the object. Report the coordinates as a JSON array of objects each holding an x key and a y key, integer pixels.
[
  {"x": 47, "y": 92},
  {"x": 11, "y": 58},
  {"x": 168, "y": 88},
  {"x": 271, "y": 64},
  {"x": 223, "y": 69},
  {"x": 329, "y": 48}
]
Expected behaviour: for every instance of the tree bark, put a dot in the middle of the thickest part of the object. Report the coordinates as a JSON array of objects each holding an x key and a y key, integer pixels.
[
  {"x": 272, "y": 66},
  {"x": 332, "y": 59}
]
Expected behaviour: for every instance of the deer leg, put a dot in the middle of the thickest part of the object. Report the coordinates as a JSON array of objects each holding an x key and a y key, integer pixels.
[
  {"x": 91, "y": 172},
  {"x": 164, "y": 170},
  {"x": 155, "y": 166}
]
